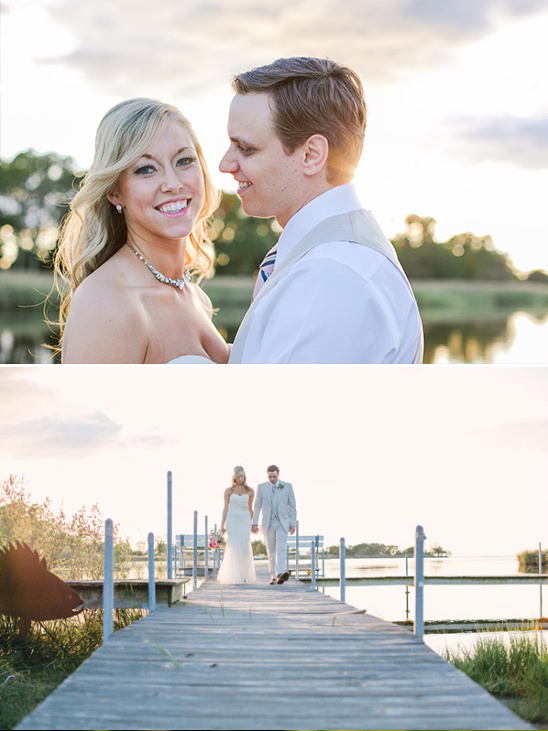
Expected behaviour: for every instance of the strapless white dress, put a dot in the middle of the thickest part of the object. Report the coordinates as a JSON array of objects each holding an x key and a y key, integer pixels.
[
  {"x": 191, "y": 360},
  {"x": 237, "y": 565}
]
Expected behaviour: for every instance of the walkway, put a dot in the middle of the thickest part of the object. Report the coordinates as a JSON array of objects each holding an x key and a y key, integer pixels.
[{"x": 267, "y": 657}]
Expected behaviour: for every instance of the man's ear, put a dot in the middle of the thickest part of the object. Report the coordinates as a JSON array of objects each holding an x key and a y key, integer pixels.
[{"x": 316, "y": 151}]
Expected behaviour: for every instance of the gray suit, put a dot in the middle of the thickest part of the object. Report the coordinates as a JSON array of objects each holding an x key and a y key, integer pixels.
[{"x": 274, "y": 513}]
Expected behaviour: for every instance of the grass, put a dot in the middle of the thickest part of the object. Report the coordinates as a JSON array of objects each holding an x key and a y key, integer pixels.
[
  {"x": 32, "y": 667},
  {"x": 515, "y": 671}
]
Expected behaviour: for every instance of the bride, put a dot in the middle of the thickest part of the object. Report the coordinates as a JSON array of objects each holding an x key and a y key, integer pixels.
[
  {"x": 237, "y": 565},
  {"x": 134, "y": 236}
]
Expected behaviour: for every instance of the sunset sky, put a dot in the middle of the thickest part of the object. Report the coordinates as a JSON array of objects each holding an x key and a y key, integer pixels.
[
  {"x": 458, "y": 111},
  {"x": 372, "y": 452}
]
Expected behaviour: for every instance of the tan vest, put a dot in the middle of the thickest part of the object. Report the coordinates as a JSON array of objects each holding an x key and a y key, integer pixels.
[{"x": 358, "y": 227}]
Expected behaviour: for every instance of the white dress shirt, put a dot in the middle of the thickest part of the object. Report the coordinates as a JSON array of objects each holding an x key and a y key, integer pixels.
[{"x": 339, "y": 303}]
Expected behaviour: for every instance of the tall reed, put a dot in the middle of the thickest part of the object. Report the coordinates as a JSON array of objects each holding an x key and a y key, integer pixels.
[{"x": 515, "y": 669}]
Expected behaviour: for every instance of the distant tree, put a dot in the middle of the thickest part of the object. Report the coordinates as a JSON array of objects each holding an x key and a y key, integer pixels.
[
  {"x": 437, "y": 550},
  {"x": 34, "y": 194},
  {"x": 258, "y": 548},
  {"x": 463, "y": 256},
  {"x": 361, "y": 550},
  {"x": 538, "y": 275},
  {"x": 160, "y": 548}
]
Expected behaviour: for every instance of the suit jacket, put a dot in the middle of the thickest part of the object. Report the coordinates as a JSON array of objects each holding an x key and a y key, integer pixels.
[{"x": 287, "y": 507}]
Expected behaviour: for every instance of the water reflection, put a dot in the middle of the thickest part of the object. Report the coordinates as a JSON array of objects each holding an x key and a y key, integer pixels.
[{"x": 520, "y": 337}]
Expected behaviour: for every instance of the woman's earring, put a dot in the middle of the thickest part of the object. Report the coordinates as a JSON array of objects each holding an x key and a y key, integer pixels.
[{"x": 119, "y": 208}]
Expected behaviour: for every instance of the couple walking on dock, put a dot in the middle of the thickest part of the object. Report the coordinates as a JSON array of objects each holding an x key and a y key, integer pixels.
[{"x": 273, "y": 509}]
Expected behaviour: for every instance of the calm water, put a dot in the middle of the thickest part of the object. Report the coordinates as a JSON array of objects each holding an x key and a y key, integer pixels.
[
  {"x": 444, "y": 602},
  {"x": 518, "y": 338},
  {"x": 441, "y": 602}
]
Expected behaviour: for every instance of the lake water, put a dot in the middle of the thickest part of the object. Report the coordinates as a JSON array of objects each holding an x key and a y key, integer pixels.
[
  {"x": 441, "y": 602},
  {"x": 517, "y": 338}
]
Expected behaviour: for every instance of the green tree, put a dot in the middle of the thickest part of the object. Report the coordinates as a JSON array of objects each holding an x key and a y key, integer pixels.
[
  {"x": 72, "y": 547},
  {"x": 34, "y": 194},
  {"x": 437, "y": 550},
  {"x": 463, "y": 256},
  {"x": 258, "y": 548}
]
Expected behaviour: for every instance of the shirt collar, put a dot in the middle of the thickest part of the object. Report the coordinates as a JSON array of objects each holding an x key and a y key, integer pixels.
[{"x": 337, "y": 200}]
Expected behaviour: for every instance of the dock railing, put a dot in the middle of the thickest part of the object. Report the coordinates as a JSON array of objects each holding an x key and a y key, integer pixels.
[{"x": 299, "y": 546}]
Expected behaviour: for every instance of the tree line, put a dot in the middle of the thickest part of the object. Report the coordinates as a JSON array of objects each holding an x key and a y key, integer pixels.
[{"x": 35, "y": 191}]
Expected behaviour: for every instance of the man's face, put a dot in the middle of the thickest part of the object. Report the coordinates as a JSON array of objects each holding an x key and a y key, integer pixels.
[
  {"x": 273, "y": 477},
  {"x": 270, "y": 182}
]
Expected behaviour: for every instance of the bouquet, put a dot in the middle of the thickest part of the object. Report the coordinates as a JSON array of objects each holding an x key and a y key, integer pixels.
[{"x": 216, "y": 539}]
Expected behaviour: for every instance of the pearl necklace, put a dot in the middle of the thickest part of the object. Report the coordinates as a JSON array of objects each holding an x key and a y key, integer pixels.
[{"x": 179, "y": 283}]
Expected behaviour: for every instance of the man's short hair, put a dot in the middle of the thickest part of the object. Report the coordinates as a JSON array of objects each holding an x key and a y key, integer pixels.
[
  {"x": 314, "y": 96},
  {"x": 273, "y": 468}
]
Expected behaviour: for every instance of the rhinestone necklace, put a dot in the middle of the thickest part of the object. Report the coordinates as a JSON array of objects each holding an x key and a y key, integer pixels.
[{"x": 179, "y": 283}]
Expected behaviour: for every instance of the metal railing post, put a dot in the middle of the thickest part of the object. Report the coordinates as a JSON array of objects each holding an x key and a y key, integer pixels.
[
  {"x": 108, "y": 580},
  {"x": 342, "y": 557},
  {"x": 313, "y": 562},
  {"x": 169, "y": 528},
  {"x": 540, "y": 572},
  {"x": 206, "y": 550},
  {"x": 419, "y": 582},
  {"x": 195, "y": 551},
  {"x": 297, "y": 550},
  {"x": 151, "y": 575}
]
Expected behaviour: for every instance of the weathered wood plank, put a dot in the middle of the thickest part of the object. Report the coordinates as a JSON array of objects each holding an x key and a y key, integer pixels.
[{"x": 267, "y": 657}]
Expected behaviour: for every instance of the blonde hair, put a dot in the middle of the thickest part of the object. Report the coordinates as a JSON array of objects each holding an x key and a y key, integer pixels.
[
  {"x": 239, "y": 470},
  {"x": 92, "y": 230}
]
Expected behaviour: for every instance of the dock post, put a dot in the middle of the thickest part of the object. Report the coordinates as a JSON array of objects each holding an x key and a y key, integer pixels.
[
  {"x": 406, "y": 587},
  {"x": 342, "y": 557},
  {"x": 151, "y": 577},
  {"x": 206, "y": 549},
  {"x": 313, "y": 562},
  {"x": 108, "y": 580},
  {"x": 540, "y": 572},
  {"x": 297, "y": 550},
  {"x": 419, "y": 582},
  {"x": 195, "y": 552},
  {"x": 169, "y": 527}
]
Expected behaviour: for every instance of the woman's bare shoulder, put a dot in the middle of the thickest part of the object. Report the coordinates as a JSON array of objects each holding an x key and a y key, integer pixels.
[
  {"x": 106, "y": 323},
  {"x": 203, "y": 299}
]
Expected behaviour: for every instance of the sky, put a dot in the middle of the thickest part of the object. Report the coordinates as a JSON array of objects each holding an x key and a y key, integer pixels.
[
  {"x": 456, "y": 90},
  {"x": 372, "y": 452}
]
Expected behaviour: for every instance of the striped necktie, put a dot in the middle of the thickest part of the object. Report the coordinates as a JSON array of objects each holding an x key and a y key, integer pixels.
[{"x": 265, "y": 270}]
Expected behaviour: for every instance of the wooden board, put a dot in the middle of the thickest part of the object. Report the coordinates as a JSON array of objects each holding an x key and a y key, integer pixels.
[{"x": 267, "y": 657}]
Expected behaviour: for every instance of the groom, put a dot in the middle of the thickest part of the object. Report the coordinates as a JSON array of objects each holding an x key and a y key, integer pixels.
[
  {"x": 332, "y": 290},
  {"x": 275, "y": 503}
]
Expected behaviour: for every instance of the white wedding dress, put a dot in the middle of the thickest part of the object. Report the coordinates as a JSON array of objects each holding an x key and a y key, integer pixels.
[
  {"x": 191, "y": 360},
  {"x": 237, "y": 565}
]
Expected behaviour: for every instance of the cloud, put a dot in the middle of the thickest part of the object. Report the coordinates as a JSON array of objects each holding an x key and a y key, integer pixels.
[
  {"x": 195, "y": 47},
  {"x": 21, "y": 396},
  {"x": 520, "y": 141},
  {"x": 531, "y": 434},
  {"x": 70, "y": 437}
]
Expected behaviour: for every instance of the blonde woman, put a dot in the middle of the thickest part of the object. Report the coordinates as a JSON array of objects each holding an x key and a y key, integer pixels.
[
  {"x": 134, "y": 237},
  {"x": 237, "y": 565}
]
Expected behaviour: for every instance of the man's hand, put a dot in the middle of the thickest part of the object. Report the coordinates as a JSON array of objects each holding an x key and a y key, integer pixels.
[
  {"x": 291, "y": 530},
  {"x": 254, "y": 528}
]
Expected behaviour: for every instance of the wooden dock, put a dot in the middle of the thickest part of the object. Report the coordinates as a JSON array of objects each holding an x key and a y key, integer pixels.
[{"x": 267, "y": 657}]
